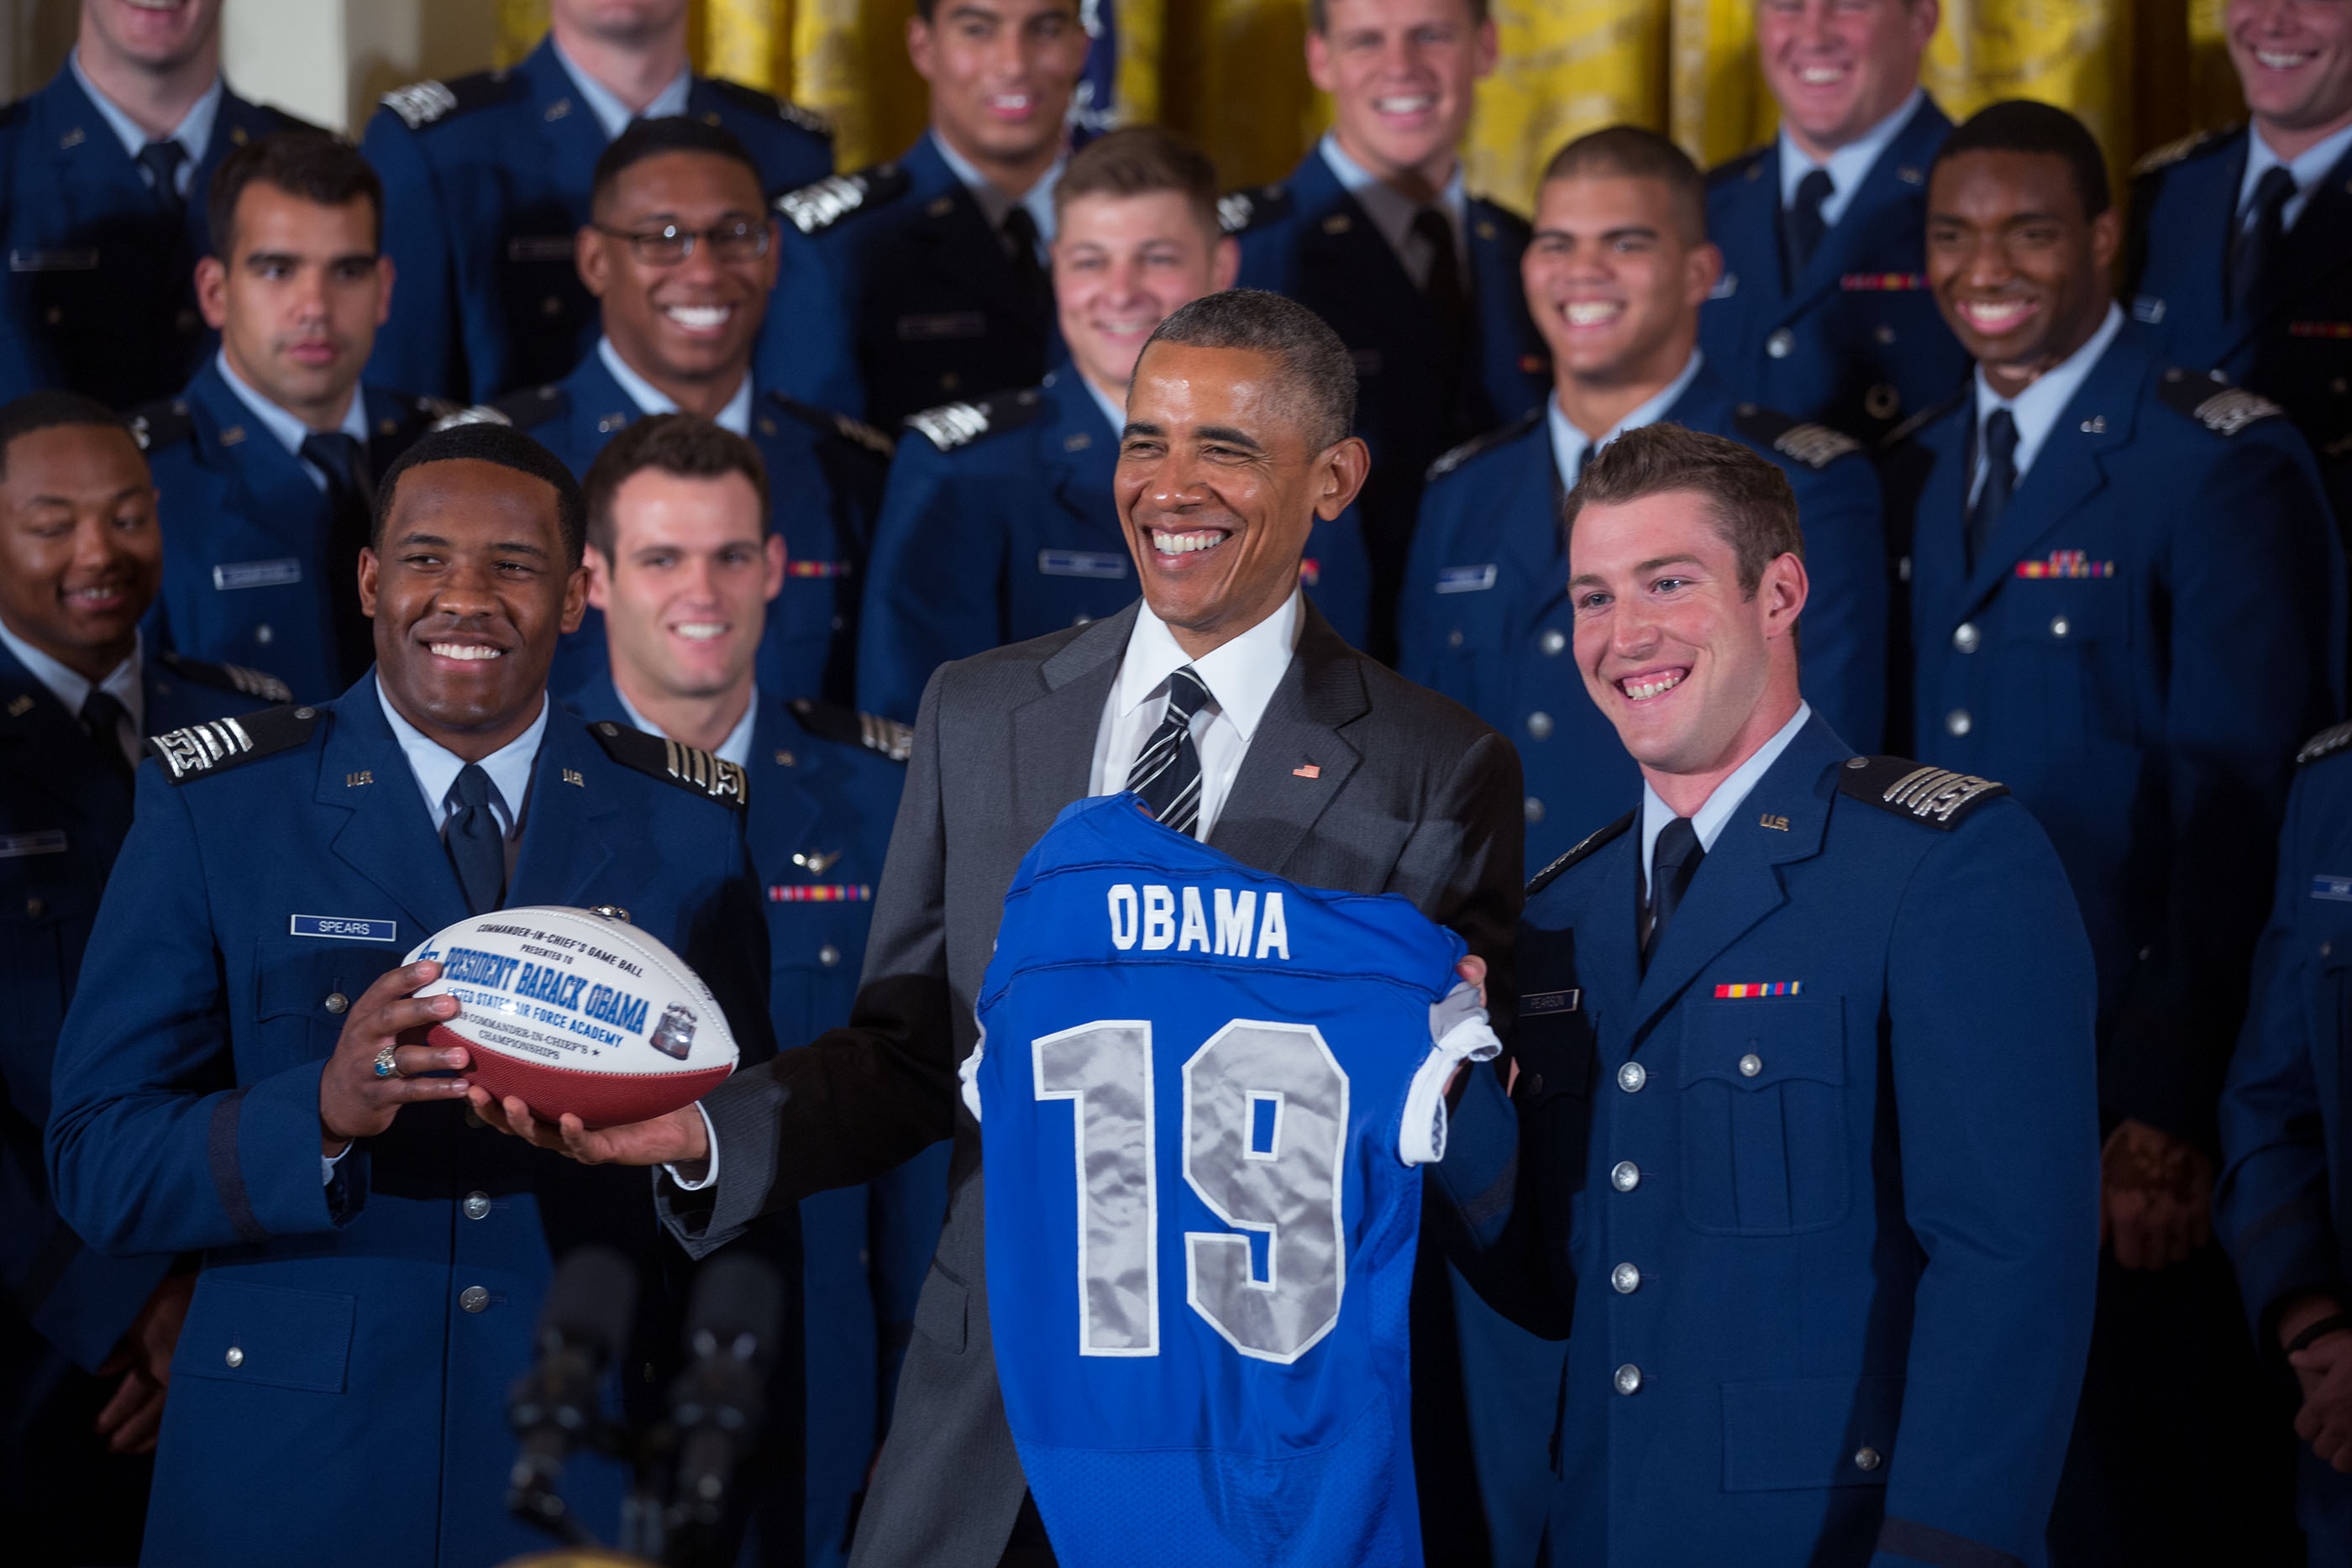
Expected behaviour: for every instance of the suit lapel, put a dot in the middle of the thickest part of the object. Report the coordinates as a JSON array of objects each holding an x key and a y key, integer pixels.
[
  {"x": 389, "y": 838},
  {"x": 1271, "y": 810},
  {"x": 1054, "y": 732},
  {"x": 565, "y": 847}
]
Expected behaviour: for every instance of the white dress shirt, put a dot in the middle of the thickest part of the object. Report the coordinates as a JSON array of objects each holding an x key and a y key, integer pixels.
[
  {"x": 72, "y": 688},
  {"x": 610, "y": 111},
  {"x": 1848, "y": 167},
  {"x": 1392, "y": 212},
  {"x": 2037, "y": 408},
  {"x": 1708, "y": 820},
  {"x": 994, "y": 204},
  {"x": 194, "y": 133},
  {"x": 1568, "y": 443},
  {"x": 1241, "y": 675},
  {"x": 2309, "y": 168},
  {"x": 650, "y": 399},
  {"x": 288, "y": 428}
]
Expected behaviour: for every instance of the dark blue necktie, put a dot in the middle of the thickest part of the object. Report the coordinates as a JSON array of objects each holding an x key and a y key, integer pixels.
[
  {"x": 477, "y": 848},
  {"x": 1167, "y": 771},
  {"x": 1999, "y": 478},
  {"x": 162, "y": 159},
  {"x": 1806, "y": 225},
  {"x": 350, "y": 512},
  {"x": 1672, "y": 863},
  {"x": 104, "y": 716},
  {"x": 2261, "y": 227}
]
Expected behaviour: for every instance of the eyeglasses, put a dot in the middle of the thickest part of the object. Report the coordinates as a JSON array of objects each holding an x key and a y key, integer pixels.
[{"x": 735, "y": 240}]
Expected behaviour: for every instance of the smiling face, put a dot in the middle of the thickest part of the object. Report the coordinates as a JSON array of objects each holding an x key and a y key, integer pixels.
[
  {"x": 1837, "y": 68},
  {"x": 1403, "y": 76},
  {"x": 685, "y": 588},
  {"x": 81, "y": 554},
  {"x": 2018, "y": 270},
  {"x": 1613, "y": 280},
  {"x": 469, "y": 590},
  {"x": 2295, "y": 59},
  {"x": 687, "y": 327},
  {"x": 299, "y": 298},
  {"x": 1121, "y": 266},
  {"x": 1218, "y": 487},
  {"x": 1001, "y": 73},
  {"x": 156, "y": 35},
  {"x": 1694, "y": 672}
]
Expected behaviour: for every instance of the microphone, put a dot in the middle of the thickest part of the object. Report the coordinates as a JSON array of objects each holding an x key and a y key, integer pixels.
[
  {"x": 584, "y": 1325},
  {"x": 720, "y": 1405}
]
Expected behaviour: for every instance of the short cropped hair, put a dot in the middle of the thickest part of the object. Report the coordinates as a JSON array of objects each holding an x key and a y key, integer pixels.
[
  {"x": 681, "y": 444},
  {"x": 1636, "y": 152},
  {"x": 1318, "y": 15},
  {"x": 302, "y": 160},
  {"x": 646, "y": 139},
  {"x": 1137, "y": 160},
  {"x": 929, "y": 10},
  {"x": 1320, "y": 390},
  {"x": 2023, "y": 125},
  {"x": 49, "y": 411},
  {"x": 1747, "y": 496},
  {"x": 488, "y": 442}
]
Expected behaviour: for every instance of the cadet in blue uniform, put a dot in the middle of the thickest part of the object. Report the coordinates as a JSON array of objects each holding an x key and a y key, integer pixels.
[
  {"x": 2126, "y": 603},
  {"x": 1802, "y": 1129},
  {"x": 678, "y": 333},
  {"x": 1376, "y": 232},
  {"x": 487, "y": 181},
  {"x": 85, "y": 1340},
  {"x": 683, "y": 563},
  {"x": 2241, "y": 240},
  {"x": 1615, "y": 275},
  {"x": 103, "y": 182},
  {"x": 924, "y": 279},
  {"x": 999, "y": 524},
  {"x": 2280, "y": 1203},
  {"x": 266, "y": 460},
  {"x": 228, "y": 1080},
  {"x": 1822, "y": 309}
]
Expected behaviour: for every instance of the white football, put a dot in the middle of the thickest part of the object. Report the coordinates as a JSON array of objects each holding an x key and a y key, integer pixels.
[{"x": 571, "y": 1011}]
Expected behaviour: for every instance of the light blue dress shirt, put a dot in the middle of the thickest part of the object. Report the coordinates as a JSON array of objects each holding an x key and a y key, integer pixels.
[
  {"x": 2037, "y": 408},
  {"x": 194, "y": 133},
  {"x": 1568, "y": 443},
  {"x": 1392, "y": 212},
  {"x": 650, "y": 399},
  {"x": 994, "y": 204},
  {"x": 736, "y": 748},
  {"x": 1708, "y": 820},
  {"x": 1113, "y": 411},
  {"x": 610, "y": 111},
  {"x": 2309, "y": 168},
  {"x": 288, "y": 428},
  {"x": 73, "y": 688},
  {"x": 1849, "y": 166}
]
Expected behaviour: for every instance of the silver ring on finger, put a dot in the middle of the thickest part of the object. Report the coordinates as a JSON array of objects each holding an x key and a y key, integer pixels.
[{"x": 386, "y": 1065}]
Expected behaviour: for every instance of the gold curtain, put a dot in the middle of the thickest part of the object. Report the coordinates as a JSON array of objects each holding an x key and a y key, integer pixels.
[{"x": 1230, "y": 72}]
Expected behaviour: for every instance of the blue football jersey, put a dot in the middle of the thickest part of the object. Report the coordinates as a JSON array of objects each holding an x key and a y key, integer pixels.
[{"x": 1203, "y": 1093}]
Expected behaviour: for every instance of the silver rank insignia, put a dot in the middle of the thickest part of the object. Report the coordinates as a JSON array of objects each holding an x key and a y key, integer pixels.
[
  {"x": 950, "y": 425},
  {"x": 201, "y": 748},
  {"x": 1815, "y": 445},
  {"x": 2233, "y": 409},
  {"x": 420, "y": 103},
  {"x": 1935, "y": 792}
]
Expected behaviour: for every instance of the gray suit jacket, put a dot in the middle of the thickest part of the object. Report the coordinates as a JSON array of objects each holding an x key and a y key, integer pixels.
[{"x": 1415, "y": 796}]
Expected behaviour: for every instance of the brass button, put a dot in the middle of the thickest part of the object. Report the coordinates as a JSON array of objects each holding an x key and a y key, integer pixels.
[
  {"x": 235, "y": 1357},
  {"x": 1867, "y": 1458},
  {"x": 1534, "y": 809},
  {"x": 1780, "y": 343},
  {"x": 1957, "y": 721},
  {"x": 1631, "y": 1076},
  {"x": 828, "y": 955},
  {"x": 478, "y": 1205},
  {"x": 474, "y": 1299},
  {"x": 1540, "y": 725},
  {"x": 337, "y": 1002},
  {"x": 1625, "y": 1278},
  {"x": 1552, "y": 643},
  {"x": 2060, "y": 626},
  {"x": 1625, "y": 1176},
  {"x": 1966, "y": 638},
  {"x": 1750, "y": 1065},
  {"x": 264, "y": 635},
  {"x": 1628, "y": 1379}
]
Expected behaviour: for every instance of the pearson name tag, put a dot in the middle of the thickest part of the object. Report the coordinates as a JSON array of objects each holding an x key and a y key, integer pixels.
[
  {"x": 256, "y": 573},
  {"x": 344, "y": 928},
  {"x": 1550, "y": 1002},
  {"x": 1080, "y": 563},
  {"x": 1466, "y": 578},
  {"x": 47, "y": 842}
]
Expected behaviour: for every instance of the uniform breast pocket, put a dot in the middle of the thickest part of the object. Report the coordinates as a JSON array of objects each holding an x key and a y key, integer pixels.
[
  {"x": 812, "y": 976},
  {"x": 2071, "y": 634},
  {"x": 1763, "y": 1102},
  {"x": 306, "y": 988}
]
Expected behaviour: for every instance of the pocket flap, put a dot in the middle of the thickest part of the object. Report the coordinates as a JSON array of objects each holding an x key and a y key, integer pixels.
[
  {"x": 940, "y": 1311},
  {"x": 1761, "y": 1043},
  {"x": 296, "y": 976},
  {"x": 266, "y": 1335},
  {"x": 1802, "y": 1432}
]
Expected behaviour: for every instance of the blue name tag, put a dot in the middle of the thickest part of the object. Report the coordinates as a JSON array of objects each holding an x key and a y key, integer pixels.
[
  {"x": 47, "y": 842},
  {"x": 258, "y": 573},
  {"x": 2339, "y": 888},
  {"x": 2148, "y": 310},
  {"x": 344, "y": 928},
  {"x": 1466, "y": 578},
  {"x": 1081, "y": 564},
  {"x": 1550, "y": 1002}
]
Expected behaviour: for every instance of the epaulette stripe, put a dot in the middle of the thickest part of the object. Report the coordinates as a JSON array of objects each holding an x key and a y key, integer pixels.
[
  {"x": 217, "y": 744},
  {"x": 2327, "y": 743},
  {"x": 818, "y": 205},
  {"x": 1937, "y": 796},
  {"x": 1479, "y": 445},
  {"x": 2173, "y": 151},
  {"x": 420, "y": 103},
  {"x": 874, "y": 733},
  {"x": 689, "y": 768},
  {"x": 1593, "y": 841},
  {"x": 887, "y": 736}
]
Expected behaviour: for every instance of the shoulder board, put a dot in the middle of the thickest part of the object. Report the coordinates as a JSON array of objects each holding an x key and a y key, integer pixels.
[
  {"x": 954, "y": 424},
  {"x": 815, "y": 208},
  {"x": 531, "y": 406},
  {"x": 2218, "y": 406},
  {"x": 1737, "y": 168},
  {"x": 218, "y": 744},
  {"x": 1583, "y": 847},
  {"x": 433, "y": 410},
  {"x": 2327, "y": 743},
  {"x": 825, "y": 421},
  {"x": 1238, "y": 211},
  {"x": 161, "y": 424},
  {"x": 1921, "y": 420},
  {"x": 2172, "y": 153},
  {"x": 851, "y": 727},
  {"x": 695, "y": 772},
  {"x": 1478, "y": 445},
  {"x": 424, "y": 103},
  {"x": 1815, "y": 445},
  {"x": 239, "y": 678},
  {"x": 1936, "y": 796},
  {"x": 758, "y": 102}
]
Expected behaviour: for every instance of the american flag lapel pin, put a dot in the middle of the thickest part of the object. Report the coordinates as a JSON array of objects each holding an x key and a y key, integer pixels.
[{"x": 1308, "y": 771}]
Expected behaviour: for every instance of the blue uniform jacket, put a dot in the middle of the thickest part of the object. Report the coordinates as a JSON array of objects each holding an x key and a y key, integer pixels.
[
  {"x": 486, "y": 181},
  {"x": 101, "y": 281},
  {"x": 999, "y": 524},
  {"x": 819, "y": 826},
  {"x": 2297, "y": 346},
  {"x": 1486, "y": 618},
  {"x": 63, "y": 816},
  {"x": 1855, "y": 342},
  {"x": 2155, "y": 625},
  {"x": 329, "y": 1337},
  {"x": 245, "y": 532},
  {"x": 825, "y": 484},
  {"x": 1829, "y": 1250},
  {"x": 895, "y": 293}
]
